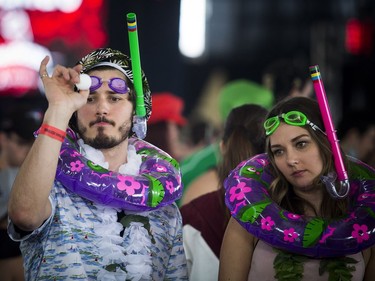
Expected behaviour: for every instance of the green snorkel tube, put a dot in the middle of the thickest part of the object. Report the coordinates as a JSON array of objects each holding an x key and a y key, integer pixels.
[{"x": 139, "y": 120}]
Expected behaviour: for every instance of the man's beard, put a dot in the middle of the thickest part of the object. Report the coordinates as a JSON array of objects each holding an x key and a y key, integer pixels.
[{"x": 101, "y": 140}]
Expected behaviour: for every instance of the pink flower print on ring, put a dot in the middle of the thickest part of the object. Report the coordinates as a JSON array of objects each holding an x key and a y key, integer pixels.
[
  {"x": 160, "y": 168},
  {"x": 128, "y": 184},
  {"x": 360, "y": 232},
  {"x": 290, "y": 235},
  {"x": 169, "y": 186},
  {"x": 267, "y": 223},
  {"x": 238, "y": 192},
  {"x": 76, "y": 166}
]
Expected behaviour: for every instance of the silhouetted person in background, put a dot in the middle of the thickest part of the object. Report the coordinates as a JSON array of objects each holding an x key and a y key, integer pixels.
[
  {"x": 205, "y": 218},
  {"x": 165, "y": 125},
  {"x": 356, "y": 133},
  {"x": 16, "y": 137},
  {"x": 199, "y": 170}
]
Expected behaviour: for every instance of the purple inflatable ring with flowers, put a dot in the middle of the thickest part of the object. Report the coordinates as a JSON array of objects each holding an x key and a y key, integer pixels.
[
  {"x": 247, "y": 197},
  {"x": 157, "y": 184}
]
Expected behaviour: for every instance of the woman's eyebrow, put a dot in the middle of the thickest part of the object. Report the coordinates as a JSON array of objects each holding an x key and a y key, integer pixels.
[{"x": 292, "y": 140}]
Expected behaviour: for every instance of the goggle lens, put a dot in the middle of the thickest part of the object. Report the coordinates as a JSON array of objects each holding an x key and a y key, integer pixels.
[
  {"x": 271, "y": 124},
  {"x": 117, "y": 85},
  {"x": 294, "y": 118}
]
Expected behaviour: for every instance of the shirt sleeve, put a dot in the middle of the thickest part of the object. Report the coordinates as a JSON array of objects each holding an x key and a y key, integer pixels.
[{"x": 17, "y": 235}]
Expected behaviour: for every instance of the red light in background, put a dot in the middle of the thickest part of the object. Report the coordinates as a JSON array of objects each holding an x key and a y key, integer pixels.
[
  {"x": 359, "y": 37},
  {"x": 81, "y": 31},
  {"x": 67, "y": 35}
]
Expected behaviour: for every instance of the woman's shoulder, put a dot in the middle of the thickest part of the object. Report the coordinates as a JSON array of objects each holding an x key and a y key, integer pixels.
[{"x": 369, "y": 254}]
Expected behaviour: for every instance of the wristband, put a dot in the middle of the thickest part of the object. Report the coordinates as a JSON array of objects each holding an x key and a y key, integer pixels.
[{"x": 52, "y": 132}]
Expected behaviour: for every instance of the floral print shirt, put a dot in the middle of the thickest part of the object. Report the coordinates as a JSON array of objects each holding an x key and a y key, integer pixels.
[{"x": 83, "y": 240}]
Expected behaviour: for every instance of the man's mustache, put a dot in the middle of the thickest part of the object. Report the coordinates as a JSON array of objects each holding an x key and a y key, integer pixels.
[{"x": 101, "y": 120}]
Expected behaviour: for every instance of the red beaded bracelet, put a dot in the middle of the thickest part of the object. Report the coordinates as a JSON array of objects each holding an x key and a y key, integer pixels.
[{"x": 52, "y": 132}]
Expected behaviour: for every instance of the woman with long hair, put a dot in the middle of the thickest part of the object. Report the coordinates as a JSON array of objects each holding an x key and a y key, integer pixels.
[{"x": 299, "y": 155}]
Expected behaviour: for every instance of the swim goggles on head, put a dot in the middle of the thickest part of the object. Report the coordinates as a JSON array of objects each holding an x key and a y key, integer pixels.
[
  {"x": 118, "y": 85},
  {"x": 294, "y": 118}
]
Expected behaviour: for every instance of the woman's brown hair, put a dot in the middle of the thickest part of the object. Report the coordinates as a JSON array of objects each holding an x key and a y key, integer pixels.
[{"x": 243, "y": 138}]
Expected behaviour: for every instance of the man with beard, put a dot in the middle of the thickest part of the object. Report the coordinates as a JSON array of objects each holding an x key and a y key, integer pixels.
[{"x": 91, "y": 201}]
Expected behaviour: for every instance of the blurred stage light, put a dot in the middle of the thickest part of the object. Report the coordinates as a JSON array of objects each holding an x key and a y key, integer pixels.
[{"x": 192, "y": 38}]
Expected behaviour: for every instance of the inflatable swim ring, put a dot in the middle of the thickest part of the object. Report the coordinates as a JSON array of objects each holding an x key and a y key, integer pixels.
[
  {"x": 158, "y": 183},
  {"x": 249, "y": 202}
]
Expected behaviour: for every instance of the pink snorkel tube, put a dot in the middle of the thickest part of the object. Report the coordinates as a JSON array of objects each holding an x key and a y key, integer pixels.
[{"x": 331, "y": 134}]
